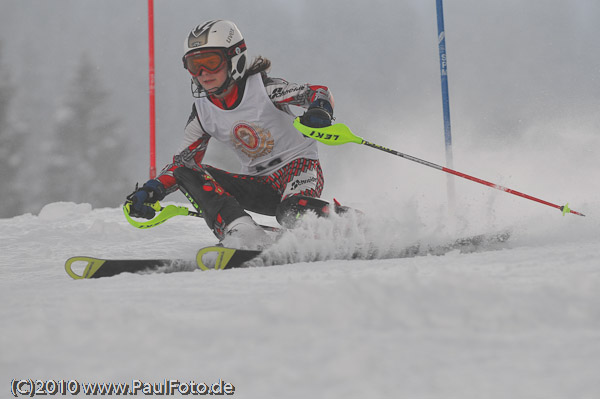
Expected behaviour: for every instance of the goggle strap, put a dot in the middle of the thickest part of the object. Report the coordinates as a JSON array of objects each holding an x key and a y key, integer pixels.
[{"x": 236, "y": 49}]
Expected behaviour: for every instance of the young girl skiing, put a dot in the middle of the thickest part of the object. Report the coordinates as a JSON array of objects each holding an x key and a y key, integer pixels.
[{"x": 238, "y": 104}]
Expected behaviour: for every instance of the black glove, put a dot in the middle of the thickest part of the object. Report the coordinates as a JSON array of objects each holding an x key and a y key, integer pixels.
[
  {"x": 152, "y": 191},
  {"x": 318, "y": 114}
]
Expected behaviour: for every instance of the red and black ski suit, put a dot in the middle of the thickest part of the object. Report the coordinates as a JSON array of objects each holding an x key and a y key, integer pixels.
[{"x": 281, "y": 175}]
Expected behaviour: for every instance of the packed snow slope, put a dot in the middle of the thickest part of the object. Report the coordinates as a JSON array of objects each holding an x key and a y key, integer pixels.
[
  {"x": 522, "y": 321},
  {"x": 519, "y": 321}
]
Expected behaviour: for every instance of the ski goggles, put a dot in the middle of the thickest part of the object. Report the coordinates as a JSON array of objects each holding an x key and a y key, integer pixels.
[{"x": 210, "y": 61}]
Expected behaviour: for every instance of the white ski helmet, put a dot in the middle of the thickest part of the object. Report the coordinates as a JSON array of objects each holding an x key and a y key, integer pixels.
[{"x": 219, "y": 34}]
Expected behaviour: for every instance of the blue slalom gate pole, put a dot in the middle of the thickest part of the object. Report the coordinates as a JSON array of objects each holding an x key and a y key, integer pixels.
[{"x": 445, "y": 101}]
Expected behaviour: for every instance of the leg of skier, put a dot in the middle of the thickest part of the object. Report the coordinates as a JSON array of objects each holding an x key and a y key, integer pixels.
[
  {"x": 224, "y": 198},
  {"x": 223, "y": 213},
  {"x": 300, "y": 184},
  {"x": 291, "y": 209}
]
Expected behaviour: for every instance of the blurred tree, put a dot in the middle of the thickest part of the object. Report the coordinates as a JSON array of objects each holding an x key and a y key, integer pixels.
[
  {"x": 88, "y": 155},
  {"x": 11, "y": 150}
]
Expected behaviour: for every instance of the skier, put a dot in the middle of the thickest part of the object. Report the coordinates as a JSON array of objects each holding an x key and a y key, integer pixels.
[{"x": 237, "y": 103}]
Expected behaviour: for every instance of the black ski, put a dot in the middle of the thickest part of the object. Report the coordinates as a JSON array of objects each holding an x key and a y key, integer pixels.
[
  {"x": 220, "y": 258},
  {"x": 463, "y": 245},
  {"x": 97, "y": 268},
  {"x": 224, "y": 258}
]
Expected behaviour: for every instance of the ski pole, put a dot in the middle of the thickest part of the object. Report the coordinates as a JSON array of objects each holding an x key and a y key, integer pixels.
[
  {"x": 339, "y": 134},
  {"x": 165, "y": 213},
  {"x": 169, "y": 211}
]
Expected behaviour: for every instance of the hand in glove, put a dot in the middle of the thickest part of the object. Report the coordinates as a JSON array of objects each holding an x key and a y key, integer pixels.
[
  {"x": 152, "y": 191},
  {"x": 318, "y": 114}
]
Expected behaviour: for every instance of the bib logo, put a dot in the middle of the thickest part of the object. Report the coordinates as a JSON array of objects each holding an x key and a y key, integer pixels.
[{"x": 252, "y": 140}]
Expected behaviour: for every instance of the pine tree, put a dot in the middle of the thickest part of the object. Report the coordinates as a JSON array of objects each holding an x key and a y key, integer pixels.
[
  {"x": 88, "y": 159},
  {"x": 11, "y": 148}
]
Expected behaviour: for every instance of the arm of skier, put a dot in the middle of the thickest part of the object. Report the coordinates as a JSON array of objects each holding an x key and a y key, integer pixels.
[
  {"x": 195, "y": 142},
  {"x": 316, "y": 99},
  {"x": 194, "y": 147}
]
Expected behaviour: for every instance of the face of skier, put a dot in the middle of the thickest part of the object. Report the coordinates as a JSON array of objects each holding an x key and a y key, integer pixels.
[
  {"x": 212, "y": 81},
  {"x": 209, "y": 67}
]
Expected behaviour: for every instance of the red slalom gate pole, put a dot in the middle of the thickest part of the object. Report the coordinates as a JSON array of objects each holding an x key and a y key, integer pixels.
[{"x": 152, "y": 91}]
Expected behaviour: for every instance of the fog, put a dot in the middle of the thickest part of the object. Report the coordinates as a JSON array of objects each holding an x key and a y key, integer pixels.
[{"x": 524, "y": 82}]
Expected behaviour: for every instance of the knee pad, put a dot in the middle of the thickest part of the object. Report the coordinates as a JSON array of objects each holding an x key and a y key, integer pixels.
[
  {"x": 207, "y": 196},
  {"x": 291, "y": 210}
]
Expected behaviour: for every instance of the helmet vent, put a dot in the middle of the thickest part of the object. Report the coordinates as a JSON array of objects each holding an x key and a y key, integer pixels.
[{"x": 241, "y": 63}]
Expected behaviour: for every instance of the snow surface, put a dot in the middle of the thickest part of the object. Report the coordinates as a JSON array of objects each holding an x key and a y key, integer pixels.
[{"x": 521, "y": 322}]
